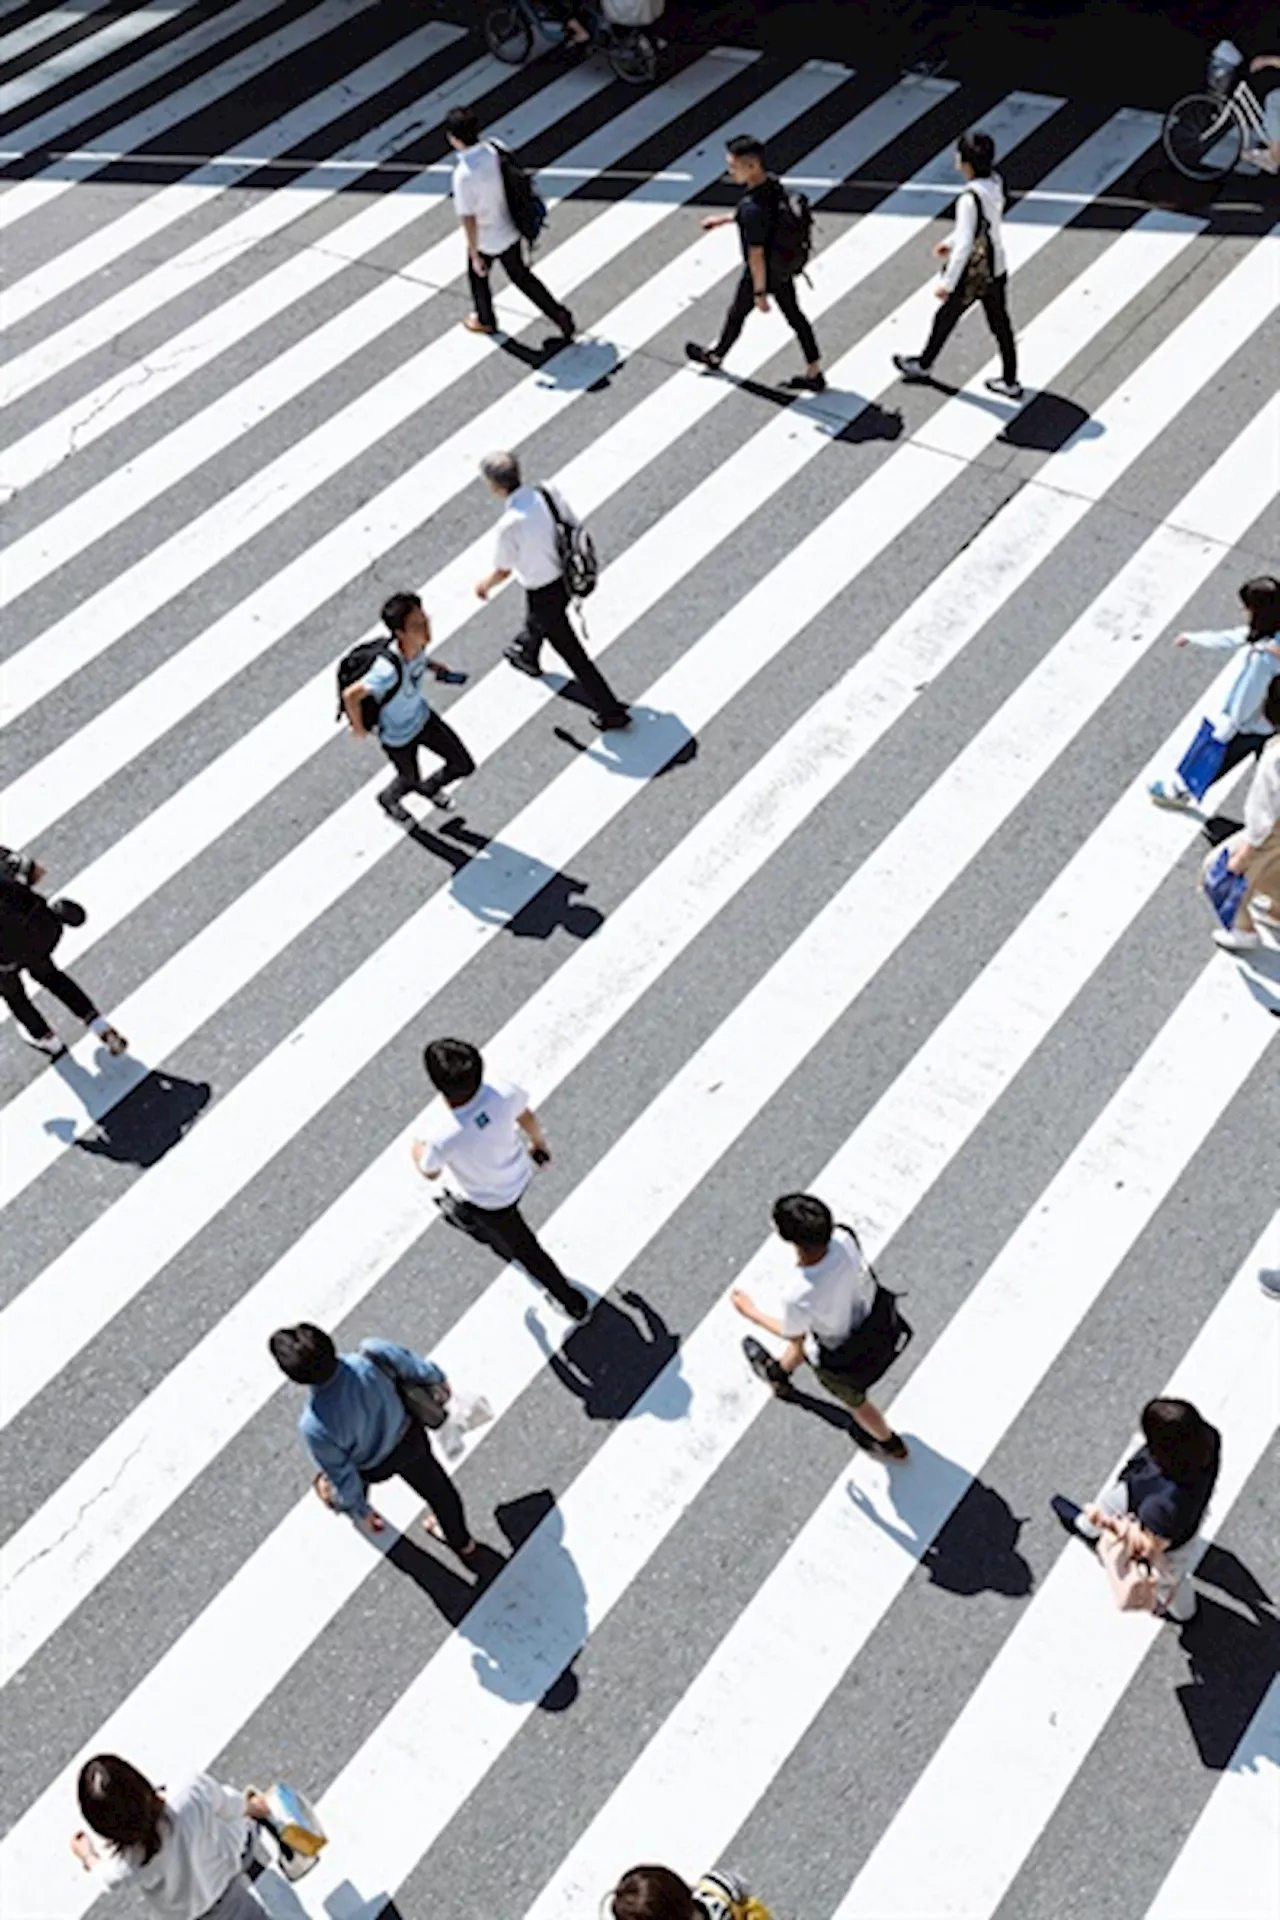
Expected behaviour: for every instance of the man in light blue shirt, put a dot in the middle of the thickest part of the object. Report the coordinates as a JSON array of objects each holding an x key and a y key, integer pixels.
[
  {"x": 389, "y": 700},
  {"x": 357, "y": 1430}
]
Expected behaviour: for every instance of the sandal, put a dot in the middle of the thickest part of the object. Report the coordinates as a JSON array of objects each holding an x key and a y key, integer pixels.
[{"x": 433, "y": 1527}]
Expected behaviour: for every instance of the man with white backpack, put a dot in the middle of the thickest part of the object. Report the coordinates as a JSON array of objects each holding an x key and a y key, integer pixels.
[{"x": 543, "y": 544}]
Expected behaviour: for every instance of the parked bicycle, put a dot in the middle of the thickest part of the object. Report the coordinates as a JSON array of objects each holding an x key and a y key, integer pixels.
[
  {"x": 1204, "y": 134},
  {"x": 616, "y": 28}
]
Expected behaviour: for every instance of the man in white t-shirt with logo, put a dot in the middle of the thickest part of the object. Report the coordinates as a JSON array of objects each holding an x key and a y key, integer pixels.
[
  {"x": 480, "y": 200},
  {"x": 828, "y": 1297},
  {"x": 490, "y": 1140}
]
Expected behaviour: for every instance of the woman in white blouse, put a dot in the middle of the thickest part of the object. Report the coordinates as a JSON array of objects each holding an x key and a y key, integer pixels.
[
  {"x": 975, "y": 269},
  {"x": 185, "y": 1850}
]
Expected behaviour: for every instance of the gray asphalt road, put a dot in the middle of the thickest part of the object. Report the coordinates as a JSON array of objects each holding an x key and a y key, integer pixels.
[{"x": 870, "y": 898}]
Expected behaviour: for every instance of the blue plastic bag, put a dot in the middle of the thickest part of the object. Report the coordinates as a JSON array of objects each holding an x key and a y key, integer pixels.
[
  {"x": 1202, "y": 762},
  {"x": 1224, "y": 890}
]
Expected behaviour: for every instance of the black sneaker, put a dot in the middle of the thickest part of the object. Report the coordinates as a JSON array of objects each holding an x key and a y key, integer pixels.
[
  {"x": 894, "y": 1448},
  {"x": 771, "y": 1371},
  {"x": 1069, "y": 1516},
  {"x": 806, "y": 383},
  {"x": 701, "y": 356},
  {"x": 516, "y": 657},
  {"x": 391, "y": 800},
  {"x": 911, "y": 367},
  {"x": 611, "y": 722},
  {"x": 575, "y": 1304},
  {"x": 437, "y": 797}
]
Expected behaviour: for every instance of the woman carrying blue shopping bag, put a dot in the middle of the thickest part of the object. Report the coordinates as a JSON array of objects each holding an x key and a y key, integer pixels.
[
  {"x": 1242, "y": 876},
  {"x": 1239, "y": 729}
]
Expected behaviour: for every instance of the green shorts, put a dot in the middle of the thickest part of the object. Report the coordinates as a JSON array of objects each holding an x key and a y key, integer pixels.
[{"x": 840, "y": 1388}]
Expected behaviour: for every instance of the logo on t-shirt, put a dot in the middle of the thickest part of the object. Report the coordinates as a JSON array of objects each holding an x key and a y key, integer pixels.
[{"x": 482, "y": 1119}]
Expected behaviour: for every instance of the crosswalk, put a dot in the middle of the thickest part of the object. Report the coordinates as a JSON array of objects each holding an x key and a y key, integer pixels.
[{"x": 870, "y": 899}]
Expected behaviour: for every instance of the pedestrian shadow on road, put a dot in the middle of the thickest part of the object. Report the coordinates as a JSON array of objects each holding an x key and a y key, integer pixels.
[
  {"x": 655, "y": 744},
  {"x": 976, "y": 1549},
  {"x": 1233, "y": 1646},
  {"x": 530, "y": 1624},
  {"x": 488, "y": 875},
  {"x": 828, "y": 411},
  {"x": 141, "y": 1128},
  {"x": 586, "y": 366},
  {"x": 619, "y": 1364}
]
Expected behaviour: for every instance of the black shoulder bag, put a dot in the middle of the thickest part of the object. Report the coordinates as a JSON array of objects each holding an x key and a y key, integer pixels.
[{"x": 867, "y": 1353}]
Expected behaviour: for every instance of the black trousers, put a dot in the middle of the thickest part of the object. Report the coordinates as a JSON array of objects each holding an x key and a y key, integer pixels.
[
  {"x": 46, "y": 974},
  {"x": 547, "y": 618},
  {"x": 506, "y": 1230},
  {"x": 521, "y": 275},
  {"x": 995, "y": 305},
  {"x": 744, "y": 300},
  {"x": 1241, "y": 747},
  {"x": 438, "y": 737},
  {"x": 411, "y": 1459}
]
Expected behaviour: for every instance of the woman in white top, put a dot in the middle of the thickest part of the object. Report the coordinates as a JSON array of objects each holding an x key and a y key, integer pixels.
[
  {"x": 1239, "y": 728},
  {"x": 1255, "y": 850},
  {"x": 184, "y": 1850},
  {"x": 979, "y": 219}
]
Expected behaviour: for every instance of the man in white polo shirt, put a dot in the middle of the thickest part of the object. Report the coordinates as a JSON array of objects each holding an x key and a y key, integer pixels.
[
  {"x": 829, "y": 1296},
  {"x": 480, "y": 199},
  {"x": 527, "y": 547},
  {"x": 490, "y": 1140}
]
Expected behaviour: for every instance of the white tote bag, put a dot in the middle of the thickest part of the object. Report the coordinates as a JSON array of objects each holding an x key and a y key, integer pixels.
[{"x": 466, "y": 1412}]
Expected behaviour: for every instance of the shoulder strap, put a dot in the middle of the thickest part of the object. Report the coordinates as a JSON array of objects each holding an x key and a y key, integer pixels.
[
  {"x": 843, "y": 1226},
  {"x": 984, "y": 225},
  {"x": 381, "y": 1362},
  {"x": 554, "y": 511}
]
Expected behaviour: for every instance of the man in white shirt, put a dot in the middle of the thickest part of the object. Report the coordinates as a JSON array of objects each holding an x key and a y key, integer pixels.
[
  {"x": 480, "y": 198},
  {"x": 490, "y": 1140},
  {"x": 830, "y": 1294},
  {"x": 528, "y": 547}
]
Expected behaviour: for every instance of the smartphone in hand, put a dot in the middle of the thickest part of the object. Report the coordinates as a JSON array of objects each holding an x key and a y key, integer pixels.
[{"x": 449, "y": 676}]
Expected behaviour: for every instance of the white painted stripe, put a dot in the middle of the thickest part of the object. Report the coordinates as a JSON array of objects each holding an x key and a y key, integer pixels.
[
  {"x": 54, "y": 352},
  {"x": 36, "y": 195},
  {"x": 47, "y": 1568},
  {"x": 705, "y": 1769},
  {"x": 1040, "y": 1706},
  {"x": 44, "y": 27},
  {"x": 42, "y": 135},
  {"x": 736, "y": 648},
  {"x": 84, "y": 53},
  {"x": 96, "y": 511},
  {"x": 277, "y": 488},
  {"x": 1229, "y": 1868},
  {"x": 677, "y": 1141}
]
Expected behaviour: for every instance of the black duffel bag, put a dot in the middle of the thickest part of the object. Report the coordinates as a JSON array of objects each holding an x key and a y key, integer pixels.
[{"x": 867, "y": 1353}]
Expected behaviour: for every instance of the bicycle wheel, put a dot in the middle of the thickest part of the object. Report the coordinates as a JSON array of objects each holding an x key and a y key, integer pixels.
[
  {"x": 509, "y": 35},
  {"x": 1202, "y": 137},
  {"x": 634, "y": 58}
]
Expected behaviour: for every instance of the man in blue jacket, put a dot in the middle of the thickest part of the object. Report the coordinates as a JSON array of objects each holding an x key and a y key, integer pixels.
[{"x": 357, "y": 1430}]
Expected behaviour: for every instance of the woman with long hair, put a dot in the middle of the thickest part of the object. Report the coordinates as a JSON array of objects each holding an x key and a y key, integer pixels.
[
  {"x": 656, "y": 1893},
  {"x": 185, "y": 1850},
  {"x": 1158, "y": 1499},
  {"x": 1239, "y": 729}
]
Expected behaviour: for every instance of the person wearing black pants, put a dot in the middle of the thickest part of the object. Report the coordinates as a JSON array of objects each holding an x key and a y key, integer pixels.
[
  {"x": 480, "y": 199},
  {"x": 358, "y": 1430},
  {"x": 489, "y": 1139},
  {"x": 528, "y": 547},
  {"x": 390, "y": 695},
  {"x": 979, "y": 230},
  {"x": 30, "y": 929},
  {"x": 764, "y": 274}
]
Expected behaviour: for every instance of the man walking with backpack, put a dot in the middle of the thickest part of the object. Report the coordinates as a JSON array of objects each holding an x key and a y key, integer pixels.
[
  {"x": 776, "y": 229},
  {"x": 496, "y": 229},
  {"x": 542, "y": 543},
  {"x": 380, "y": 690}
]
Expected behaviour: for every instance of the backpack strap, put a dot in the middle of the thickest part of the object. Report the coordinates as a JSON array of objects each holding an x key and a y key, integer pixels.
[{"x": 546, "y": 494}]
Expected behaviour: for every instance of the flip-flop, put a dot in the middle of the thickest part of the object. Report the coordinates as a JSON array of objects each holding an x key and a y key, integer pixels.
[{"x": 432, "y": 1526}]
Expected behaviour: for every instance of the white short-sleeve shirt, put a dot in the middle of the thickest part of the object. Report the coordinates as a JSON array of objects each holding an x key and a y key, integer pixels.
[
  {"x": 478, "y": 190},
  {"x": 205, "y": 1834},
  {"x": 481, "y": 1145},
  {"x": 829, "y": 1299},
  {"x": 526, "y": 543}
]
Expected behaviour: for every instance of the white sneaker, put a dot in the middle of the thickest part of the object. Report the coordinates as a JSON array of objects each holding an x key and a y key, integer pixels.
[
  {"x": 1007, "y": 389},
  {"x": 1233, "y": 941},
  {"x": 1260, "y": 157},
  {"x": 1269, "y": 1281},
  {"x": 48, "y": 1044},
  {"x": 1167, "y": 793}
]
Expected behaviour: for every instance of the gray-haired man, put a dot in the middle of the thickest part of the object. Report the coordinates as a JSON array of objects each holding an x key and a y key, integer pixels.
[{"x": 528, "y": 548}]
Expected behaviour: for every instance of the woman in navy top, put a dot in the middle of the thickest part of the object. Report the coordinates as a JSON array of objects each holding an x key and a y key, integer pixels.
[{"x": 1166, "y": 1487}]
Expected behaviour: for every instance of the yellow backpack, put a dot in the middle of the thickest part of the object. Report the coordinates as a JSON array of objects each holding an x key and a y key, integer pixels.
[{"x": 722, "y": 1896}]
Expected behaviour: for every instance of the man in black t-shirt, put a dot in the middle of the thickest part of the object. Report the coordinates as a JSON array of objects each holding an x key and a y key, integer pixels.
[{"x": 763, "y": 275}]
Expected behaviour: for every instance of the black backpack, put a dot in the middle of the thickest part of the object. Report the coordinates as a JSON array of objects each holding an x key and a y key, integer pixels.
[
  {"x": 525, "y": 204},
  {"x": 353, "y": 667},
  {"x": 791, "y": 240},
  {"x": 867, "y": 1354},
  {"x": 579, "y": 563}
]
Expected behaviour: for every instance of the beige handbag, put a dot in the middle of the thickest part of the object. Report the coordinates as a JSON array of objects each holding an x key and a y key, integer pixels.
[{"x": 1136, "y": 1584}]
